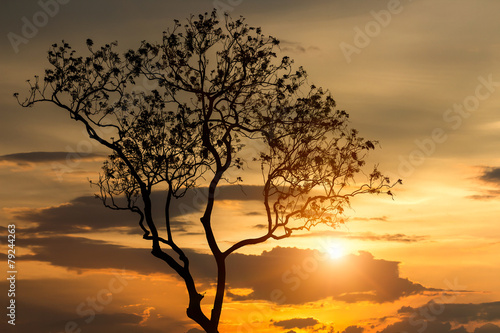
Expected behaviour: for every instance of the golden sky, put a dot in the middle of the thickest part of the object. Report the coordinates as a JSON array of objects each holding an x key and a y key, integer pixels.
[{"x": 420, "y": 76}]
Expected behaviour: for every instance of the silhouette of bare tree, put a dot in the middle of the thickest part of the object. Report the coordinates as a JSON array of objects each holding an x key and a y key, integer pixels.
[{"x": 219, "y": 85}]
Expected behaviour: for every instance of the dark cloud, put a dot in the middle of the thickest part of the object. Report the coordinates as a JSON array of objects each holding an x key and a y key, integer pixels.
[
  {"x": 294, "y": 47},
  {"x": 49, "y": 304},
  {"x": 47, "y": 157},
  {"x": 296, "y": 323},
  {"x": 354, "y": 329},
  {"x": 482, "y": 196},
  {"x": 254, "y": 214},
  {"x": 80, "y": 254},
  {"x": 487, "y": 194},
  {"x": 282, "y": 275},
  {"x": 428, "y": 327},
  {"x": 87, "y": 214},
  {"x": 297, "y": 276},
  {"x": 491, "y": 175},
  {"x": 80, "y": 215},
  {"x": 52, "y": 317},
  {"x": 435, "y": 317},
  {"x": 460, "y": 313}
]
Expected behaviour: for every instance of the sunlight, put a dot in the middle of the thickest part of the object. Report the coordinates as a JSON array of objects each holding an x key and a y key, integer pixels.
[{"x": 335, "y": 251}]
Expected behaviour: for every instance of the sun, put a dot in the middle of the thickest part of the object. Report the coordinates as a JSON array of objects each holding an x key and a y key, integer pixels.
[{"x": 335, "y": 251}]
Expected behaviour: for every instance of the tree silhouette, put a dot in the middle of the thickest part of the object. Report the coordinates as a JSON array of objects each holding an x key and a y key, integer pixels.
[{"x": 220, "y": 89}]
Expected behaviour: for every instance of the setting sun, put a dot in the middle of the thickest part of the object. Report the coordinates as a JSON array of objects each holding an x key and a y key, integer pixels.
[{"x": 336, "y": 251}]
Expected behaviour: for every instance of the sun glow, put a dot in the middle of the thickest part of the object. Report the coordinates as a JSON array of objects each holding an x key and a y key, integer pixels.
[{"x": 335, "y": 251}]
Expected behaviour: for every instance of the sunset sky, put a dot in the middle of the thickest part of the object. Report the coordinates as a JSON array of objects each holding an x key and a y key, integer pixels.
[{"x": 420, "y": 76}]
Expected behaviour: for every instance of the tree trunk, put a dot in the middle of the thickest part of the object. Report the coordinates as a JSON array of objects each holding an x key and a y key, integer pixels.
[{"x": 221, "y": 287}]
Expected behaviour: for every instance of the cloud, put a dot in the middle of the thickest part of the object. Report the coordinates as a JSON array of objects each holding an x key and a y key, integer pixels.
[
  {"x": 254, "y": 214},
  {"x": 460, "y": 313},
  {"x": 430, "y": 327},
  {"x": 354, "y": 329},
  {"x": 491, "y": 175},
  {"x": 436, "y": 317},
  {"x": 23, "y": 159},
  {"x": 53, "y": 318},
  {"x": 80, "y": 215},
  {"x": 296, "y": 323},
  {"x": 79, "y": 254},
  {"x": 87, "y": 214},
  {"x": 297, "y": 276},
  {"x": 282, "y": 275},
  {"x": 294, "y": 47},
  {"x": 48, "y": 304},
  {"x": 489, "y": 194}
]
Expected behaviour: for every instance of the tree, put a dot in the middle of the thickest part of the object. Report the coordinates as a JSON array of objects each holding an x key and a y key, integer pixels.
[{"x": 219, "y": 86}]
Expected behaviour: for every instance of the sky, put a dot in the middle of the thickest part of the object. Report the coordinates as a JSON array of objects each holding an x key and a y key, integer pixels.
[{"x": 420, "y": 76}]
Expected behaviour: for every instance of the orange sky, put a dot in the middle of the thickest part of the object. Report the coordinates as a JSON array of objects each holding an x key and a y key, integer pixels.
[{"x": 421, "y": 76}]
